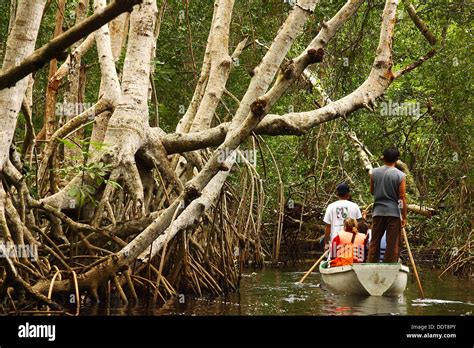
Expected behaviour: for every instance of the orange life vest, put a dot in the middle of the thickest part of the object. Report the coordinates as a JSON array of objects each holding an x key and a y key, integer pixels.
[{"x": 347, "y": 248}]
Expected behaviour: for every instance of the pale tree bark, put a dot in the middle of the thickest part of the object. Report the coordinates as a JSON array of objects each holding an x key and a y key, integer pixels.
[
  {"x": 127, "y": 128},
  {"x": 421, "y": 210},
  {"x": 312, "y": 54},
  {"x": 152, "y": 93},
  {"x": 54, "y": 48},
  {"x": 13, "y": 7},
  {"x": 220, "y": 66},
  {"x": 378, "y": 80},
  {"x": 21, "y": 60},
  {"x": 75, "y": 90},
  {"x": 254, "y": 104},
  {"x": 100, "y": 112},
  {"x": 109, "y": 84},
  {"x": 362, "y": 152},
  {"x": 109, "y": 89},
  {"x": 118, "y": 34},
  {"x": 20, "y": 44},
  {"x": 185, "y": 122},
  {"x": 183, "y": 168}
]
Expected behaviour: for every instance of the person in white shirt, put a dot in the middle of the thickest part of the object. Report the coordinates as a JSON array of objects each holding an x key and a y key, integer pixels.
[{"x": 337, "y": 211}]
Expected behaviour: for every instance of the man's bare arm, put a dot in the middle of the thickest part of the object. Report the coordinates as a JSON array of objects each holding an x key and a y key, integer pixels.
[{"x": 371, "y": 184}]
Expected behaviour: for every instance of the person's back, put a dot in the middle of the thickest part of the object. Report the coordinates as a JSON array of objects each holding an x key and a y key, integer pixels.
[
  {"x": 388, "y": 185},
  {"x": 386, "y": 191},
  {"x": 348, "y": 246},
  {"x": 337, "y": 212}
]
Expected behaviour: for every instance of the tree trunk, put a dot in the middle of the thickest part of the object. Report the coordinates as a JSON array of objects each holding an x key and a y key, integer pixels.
[
  {"x": 20, "y": 44},
  {"x": 52, "y": 90},
  {"x": 75, "y": 90}
]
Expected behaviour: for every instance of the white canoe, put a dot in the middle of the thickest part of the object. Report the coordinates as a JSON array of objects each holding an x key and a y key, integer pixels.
[{"x": 374, "y": 279}]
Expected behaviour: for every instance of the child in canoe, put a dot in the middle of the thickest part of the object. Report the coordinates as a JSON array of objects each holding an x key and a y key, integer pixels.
[{"x": 348, "y": 246}]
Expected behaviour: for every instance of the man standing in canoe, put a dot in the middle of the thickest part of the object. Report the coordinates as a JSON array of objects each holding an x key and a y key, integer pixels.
[
  {"x": 388, "y": 185},
  {"x": 338, "y": 211}
]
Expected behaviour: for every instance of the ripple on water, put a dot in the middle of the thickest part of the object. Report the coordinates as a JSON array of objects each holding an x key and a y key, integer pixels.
[{"x": 432, "y": 301}]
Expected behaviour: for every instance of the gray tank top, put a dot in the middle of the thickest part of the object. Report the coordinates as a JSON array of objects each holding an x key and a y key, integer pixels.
[{"x": 386, "y": 188}]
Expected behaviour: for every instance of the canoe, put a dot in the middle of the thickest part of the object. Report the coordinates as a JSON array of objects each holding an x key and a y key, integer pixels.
[{"x": 372, "y": 279}]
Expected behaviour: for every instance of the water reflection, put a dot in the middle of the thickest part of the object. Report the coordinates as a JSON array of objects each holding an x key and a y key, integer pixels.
[
  {"x": 364, "y": 305},
  {"x": 277, "y": 292}
]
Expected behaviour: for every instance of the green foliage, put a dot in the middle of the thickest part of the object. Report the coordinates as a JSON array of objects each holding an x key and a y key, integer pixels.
[{"x": 98, "y": 172}]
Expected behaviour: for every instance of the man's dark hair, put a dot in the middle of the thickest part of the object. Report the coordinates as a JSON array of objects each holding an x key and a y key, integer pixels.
[
  {"x": 342, "y": 189},
  {"x": 391, "y": 155}
]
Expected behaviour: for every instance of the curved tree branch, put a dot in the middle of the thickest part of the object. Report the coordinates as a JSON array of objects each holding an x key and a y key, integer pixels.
[{"x": 55, "y": 47}]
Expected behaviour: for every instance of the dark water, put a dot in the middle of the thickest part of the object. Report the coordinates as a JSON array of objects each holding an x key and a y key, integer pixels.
[{"x": 276, "y": 292}]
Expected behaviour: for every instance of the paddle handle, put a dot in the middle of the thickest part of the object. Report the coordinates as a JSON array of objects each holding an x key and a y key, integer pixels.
[
  {"x": 314, "y": 266},
  {"x": 412, "y": 260}
]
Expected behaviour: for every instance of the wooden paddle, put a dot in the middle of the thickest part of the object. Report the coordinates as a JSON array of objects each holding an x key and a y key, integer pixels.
[
  {"x": 314, "y": 266},
  {"x": 412, "y": 260}
]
